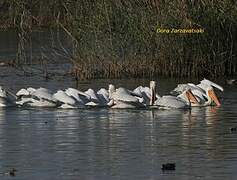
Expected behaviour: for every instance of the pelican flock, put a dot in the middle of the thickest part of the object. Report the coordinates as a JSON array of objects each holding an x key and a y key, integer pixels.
[{"x": 183, "y": 96}]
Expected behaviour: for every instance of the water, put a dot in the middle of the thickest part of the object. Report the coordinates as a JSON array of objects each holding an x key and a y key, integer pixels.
[
  {"x": 42, "y": 43},
  {"x": 109, "y": 144}
]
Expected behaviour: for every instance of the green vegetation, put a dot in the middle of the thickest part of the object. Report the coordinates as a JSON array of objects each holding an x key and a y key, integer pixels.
[{"x": 118, "y": 38}]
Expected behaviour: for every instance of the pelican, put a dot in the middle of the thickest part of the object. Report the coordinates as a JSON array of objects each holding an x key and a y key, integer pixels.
[
  {"x": 93, "y": 100},
  {"x": 6, "y": 99},
  {"x": 40, "y": 97},
  {"x": 79, "y": 96},
  {"x": 123, "y": 99},
  {"x": 204, "y": 92},
  {"x": 143, "y": 94},
  {"x": 146, "y": 95},
  {"x": 182, "y": 101},
  {"x": 24, "y": 96},
  {"x": 208, "y": 86},
  {"x": 103, "y": 96},
  {"x": 66, "y": 101},
  {"x": 100, "y": 98}
]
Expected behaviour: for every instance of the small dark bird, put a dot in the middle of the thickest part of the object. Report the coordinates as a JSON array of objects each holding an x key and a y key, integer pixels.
[
  {"x": 45, "y": 122},
  {"x": 233, "y": 129},
  {"x": 168, "y": 167},
  {"x": 12, "y": 172}
]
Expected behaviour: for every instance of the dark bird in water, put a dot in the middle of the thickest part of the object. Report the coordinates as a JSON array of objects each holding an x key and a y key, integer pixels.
[
  {"x": 231, "y": 81},
  {"x": 233, "y": 129},
  {"x": 12, "y": 172},
  {"x": 168, "y": 167}
]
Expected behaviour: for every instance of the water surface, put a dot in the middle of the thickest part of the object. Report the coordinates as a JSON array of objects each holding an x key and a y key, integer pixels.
[{"x": 119, "y": 144}]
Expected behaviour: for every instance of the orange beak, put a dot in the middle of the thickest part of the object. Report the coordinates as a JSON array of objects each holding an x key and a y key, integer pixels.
[
  {"x": 213, "y": 96},
  {"x": 191, "y": 97}
]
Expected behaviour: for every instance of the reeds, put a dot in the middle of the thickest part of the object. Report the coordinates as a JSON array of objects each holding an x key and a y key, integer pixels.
[{"x": 118, "y": 38}]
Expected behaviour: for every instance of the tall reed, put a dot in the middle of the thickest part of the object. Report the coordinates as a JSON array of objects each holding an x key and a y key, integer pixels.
[{"x": 114, "y": 39}]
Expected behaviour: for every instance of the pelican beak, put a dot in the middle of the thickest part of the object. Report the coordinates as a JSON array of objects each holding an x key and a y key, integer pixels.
[
  {"x": 153, "y": 92},
  {"x": 213, "y": 96},
  {"x": 191, "y": 97}
]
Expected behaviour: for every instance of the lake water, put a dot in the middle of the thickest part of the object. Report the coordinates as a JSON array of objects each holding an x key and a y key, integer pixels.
[
  {"x": 42, "y": 43},
  {"x": 105, "y": 144}
]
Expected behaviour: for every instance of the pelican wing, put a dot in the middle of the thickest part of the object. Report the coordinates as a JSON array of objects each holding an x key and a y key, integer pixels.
[
  {"x": 103, "y": 96},
  {"x": 23, "y": 92},
  {"x": 43, "y": 93},
  {"x": 206, "y": 81},
  {"x": 80, "y": 93},
  {"x": 137, "y": 91},
  {"x": 122, "y": 94},
  {"x": 179, "y": 89},
  {"x": 63, "y": 97},
  {"x": 75, "y": 94},
  {"x": 103, "y": 91},
  {"x": 92, "y": 95}
]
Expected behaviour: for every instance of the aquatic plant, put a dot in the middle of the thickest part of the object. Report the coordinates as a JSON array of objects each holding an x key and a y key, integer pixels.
[{"x": 115, "y": 39}]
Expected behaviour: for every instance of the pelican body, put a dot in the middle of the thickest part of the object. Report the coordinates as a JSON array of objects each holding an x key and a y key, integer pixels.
[{"x": 123, "y": 99}]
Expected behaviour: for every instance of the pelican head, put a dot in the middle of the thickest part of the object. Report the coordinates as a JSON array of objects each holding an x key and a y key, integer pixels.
[
  {"x": 212, "y": 96},
  {"x": 153, "y": 92},
  {"x": 208, "y": 86}
]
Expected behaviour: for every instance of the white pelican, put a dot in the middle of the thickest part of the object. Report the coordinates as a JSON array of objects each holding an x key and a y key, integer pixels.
[
  {"x": 65, "y": 101},
  {"x": 180, "y": 102},
  {"x": 142, "y": 94},
  {"x": 24, "y": 95},
  {"x": 103, "y": 96},
  {"x": 146, "y": 95},
  {"x": 204, "y": 92},
  {"x": 5, "y": 99},
  {"x": 123, "y": 99},
  {"x": 207, "y": 86},
  {"x": 79, "y": 96},
  {"x": 40, "y": 97},
  {"x": 99, "y": 98},
  {"x": 94, "y": 100}
]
